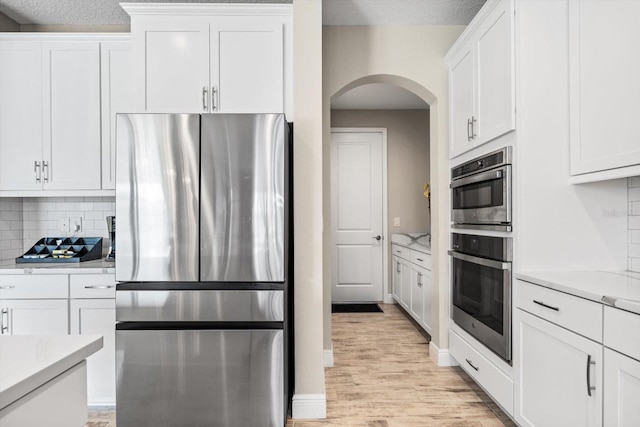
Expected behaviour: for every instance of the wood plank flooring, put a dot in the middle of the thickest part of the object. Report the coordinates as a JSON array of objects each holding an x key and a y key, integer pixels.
[{"x": 383, "y": 377}]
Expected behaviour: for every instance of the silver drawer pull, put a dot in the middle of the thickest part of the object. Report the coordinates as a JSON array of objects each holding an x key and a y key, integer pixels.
[
  {"x": 420, "y": 259},
  {"x": 100, "y": 287},
  {"x": 546, "y": 306},
  {"x": 471, "y": 364},
  {"x": 7, "y": 287}
]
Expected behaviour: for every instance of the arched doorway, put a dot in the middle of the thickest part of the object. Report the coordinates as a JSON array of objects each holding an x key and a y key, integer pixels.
[{"x": 430, "y": 139}]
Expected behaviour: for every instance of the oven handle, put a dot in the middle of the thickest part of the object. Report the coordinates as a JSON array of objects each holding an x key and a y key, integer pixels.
[
  {"x": 482, "y": 261},
  {"x": 483, "y": 176}
]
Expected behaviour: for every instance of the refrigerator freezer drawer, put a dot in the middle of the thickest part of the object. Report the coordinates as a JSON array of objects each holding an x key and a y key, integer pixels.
[
  {"x": 200, "y": 306},
  {"x": 224, "y": 378}
]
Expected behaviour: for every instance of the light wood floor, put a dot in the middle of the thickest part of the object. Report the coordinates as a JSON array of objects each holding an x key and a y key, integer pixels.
[{"x": 383, "y": 377}]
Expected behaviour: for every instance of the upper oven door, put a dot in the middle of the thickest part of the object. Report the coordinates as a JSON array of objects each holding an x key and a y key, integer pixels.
[{"x": 483, "y": 198}]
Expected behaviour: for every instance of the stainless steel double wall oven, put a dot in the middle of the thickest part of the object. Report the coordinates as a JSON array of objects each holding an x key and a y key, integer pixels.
[{"x": 481, "y": 265}]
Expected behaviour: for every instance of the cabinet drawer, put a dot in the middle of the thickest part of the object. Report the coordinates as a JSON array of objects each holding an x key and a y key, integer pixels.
[
  {"x": 621, "y": 331},
  {"x": 492, "y": 379},
  {"x": 92, "y": 285},
  {"x": 401, "y": 251},
  {"x": 423, "y": 260},
  {"x": 576, "y": 314},
  {"x": 34, "y": 286}
]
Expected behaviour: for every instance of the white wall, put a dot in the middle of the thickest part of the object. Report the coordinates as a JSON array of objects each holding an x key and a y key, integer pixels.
[
  {"x": 414, "y": 54},
  {"x": 407, "y": 165},
  {"x": 10, "y": 230},
  {"x": 634, "y": 223},
  {"x": 309, "y": 400}
]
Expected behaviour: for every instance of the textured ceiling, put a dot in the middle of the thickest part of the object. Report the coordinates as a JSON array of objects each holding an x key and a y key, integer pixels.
[
  {"x": 399, "y": 12},
  {"x": 335, "y": 12},
  {"x": 378, "y": 96}
]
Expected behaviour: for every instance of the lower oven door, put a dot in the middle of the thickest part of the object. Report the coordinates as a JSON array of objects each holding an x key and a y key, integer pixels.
[{"x": 481, "y": 300}]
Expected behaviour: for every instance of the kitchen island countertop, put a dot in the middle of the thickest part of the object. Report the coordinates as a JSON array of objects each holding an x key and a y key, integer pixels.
[{"x": 29, "y": 361}]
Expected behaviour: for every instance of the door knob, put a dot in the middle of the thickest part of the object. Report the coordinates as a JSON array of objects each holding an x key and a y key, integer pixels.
[{"x": 377, "y": 237}]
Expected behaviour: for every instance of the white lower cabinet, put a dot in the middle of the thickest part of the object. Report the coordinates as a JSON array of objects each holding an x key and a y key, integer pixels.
[
  {"x": 558, "y": 376},
  {"x": 412, "y": 283},
  {"x": 93, "y": 312},
  {"x": 35, "y": 317},
  {"x": 492, "y": 379},
  {"x": 622, "y": 385}
]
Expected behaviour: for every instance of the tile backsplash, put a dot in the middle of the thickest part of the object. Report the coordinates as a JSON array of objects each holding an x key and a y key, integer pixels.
[
  {"x": 633, "y": 189},
  {"x": 41, "y": 217},
  {"x": 11, "y": 229}
]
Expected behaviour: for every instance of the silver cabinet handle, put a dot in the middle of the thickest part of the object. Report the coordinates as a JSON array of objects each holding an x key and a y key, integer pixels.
[
  {"x": 468, "y": 130},
  {"x": 45, "y": 169},
  {"x": 7, "y": 287},
  {"x": 4, "y": 326},
  {"x": 473, "y": 127},
  {"x": 213, "y": 98},
  {"x": 100, "y": 287},
  {"x": 546, "y": 306},
  {"x": 204, "y": 98},
  {"x": 471, "y": 364},
  {"x": 397, "y": 267},
  {"x": 420, "y": 259},
  {"x": 590, "y": 362},
  {"x": 420, "y": 280},
  {"x": 37, "y": 171}
]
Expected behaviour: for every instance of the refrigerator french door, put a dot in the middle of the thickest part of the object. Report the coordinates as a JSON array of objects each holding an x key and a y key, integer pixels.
[{"x": 202, "y": 301}]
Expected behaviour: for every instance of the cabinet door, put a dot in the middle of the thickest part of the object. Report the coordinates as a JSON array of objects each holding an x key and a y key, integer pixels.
[
  {"x": 554, "y": 369},
  {"x": 71, "y": 149},
  {"x": 397, "y": 280},
  {"x": 427, "y": 298},
  {"x": 495, "y": 74},
  {"x": 461, "y": 88},
  {"x": 406, "y": 284},
  {"x": 35, "y": 317},
  {"x": 417, "y": 285},
  {"x": 98, "y": 317},
  {"x": 171, "y": 65},
  {"x": 20, "y": 115},
  {"x": 116, "y": 97},
  {"x": 247, "y": 65},
  {"x": 604, "y": 84},
  {"x": 622, "y": 382}
]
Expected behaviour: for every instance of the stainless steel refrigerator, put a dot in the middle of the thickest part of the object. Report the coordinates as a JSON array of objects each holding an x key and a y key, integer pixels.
[{"x": 203, "y": 300}]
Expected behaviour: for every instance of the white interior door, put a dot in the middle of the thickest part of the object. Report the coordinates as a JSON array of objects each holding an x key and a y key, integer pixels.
[{"x": 357, "y": 215}]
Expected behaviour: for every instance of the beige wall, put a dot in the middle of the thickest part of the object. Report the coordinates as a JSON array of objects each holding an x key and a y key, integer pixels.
[
  {"x": 407, "y": 165},
  {"x": 309, "y": 393},
  {"x": 7, "y": 24},
  {"x": 411, "y": 57}
]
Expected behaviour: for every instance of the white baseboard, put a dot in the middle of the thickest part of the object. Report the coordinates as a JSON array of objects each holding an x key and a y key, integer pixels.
[
  {"x": 309, "y": 406},
  {"x": 441, "y": 357},
  {"x": 388, "y": 299},
  {"x": 328, "y": 357}
]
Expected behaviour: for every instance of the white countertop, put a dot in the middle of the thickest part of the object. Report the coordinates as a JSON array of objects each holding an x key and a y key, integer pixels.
[
  {"x": 28, "y": 361},
  {"x": 416, "y": 241},
  {"x": 98, "y": 266},
  {"x": 619, "y": 289}
]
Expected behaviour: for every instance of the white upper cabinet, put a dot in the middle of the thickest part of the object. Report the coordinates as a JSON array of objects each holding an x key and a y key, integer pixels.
[
  {"x": 116, "y": 97},
  {"x": 212, "y": 58},
  {"x": 71, "y": 127},
  {"x": 604, "y": 88},
  {"x": 59, "y": 95},
  {"x": 20, "y": 115},
  {"x": 481, "y": 79}
]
